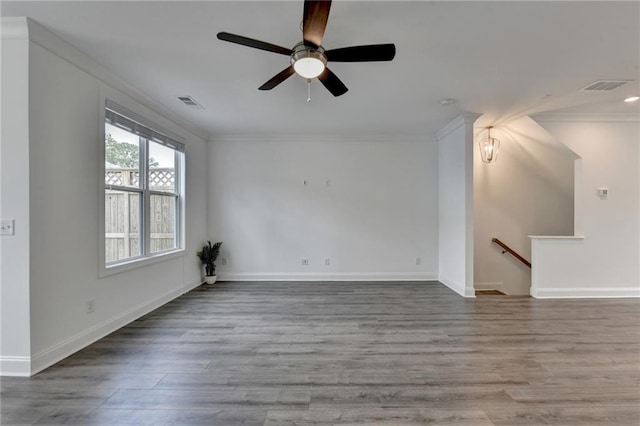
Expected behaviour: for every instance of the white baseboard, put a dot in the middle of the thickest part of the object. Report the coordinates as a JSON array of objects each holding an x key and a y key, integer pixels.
[
  {"x": 344, "y": 276},
  {"x": 17, "y": 366},
  {"x": 457, "y": 287},
  {"x": 488, "y": 286},
  {"x": 60, "y": 351},
  {"x": 191, "y": 285},
  {"x": 582, "y": 293}
]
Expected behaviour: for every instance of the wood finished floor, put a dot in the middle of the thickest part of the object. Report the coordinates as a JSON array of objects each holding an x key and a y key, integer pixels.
[{"x": 348, "y": 353}]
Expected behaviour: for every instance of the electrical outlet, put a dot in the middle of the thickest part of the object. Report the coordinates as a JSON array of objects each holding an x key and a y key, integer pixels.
[
  {"x": 91, "y": 306},
  {"x": 225, "y": 261},
  {"x": 304, "y": 261},
  {"x": 418, "y": 261},
  {"x": 327, "y": 261}
]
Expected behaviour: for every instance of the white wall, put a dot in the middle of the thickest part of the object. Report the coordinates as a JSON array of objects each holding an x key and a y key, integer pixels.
[
  {"x": 527, "y": 191},
  {"x": 378, "y": 214},
  {"x": 605, "y": 262},
  {"x": 15, "y": 345},
  {"x": 65, "y": 189},
  {"x": 455, "y": 205}
]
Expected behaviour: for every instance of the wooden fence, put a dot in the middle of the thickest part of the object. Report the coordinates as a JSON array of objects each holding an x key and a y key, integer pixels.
[{"x": 122, "y": 215}]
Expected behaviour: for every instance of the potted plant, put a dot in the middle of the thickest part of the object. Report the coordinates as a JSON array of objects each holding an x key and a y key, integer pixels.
[{"x": 208, "y": 256}]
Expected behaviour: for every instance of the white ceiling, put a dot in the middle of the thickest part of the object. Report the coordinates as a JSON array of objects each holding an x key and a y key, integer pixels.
[{"x": 502, "y": 59}]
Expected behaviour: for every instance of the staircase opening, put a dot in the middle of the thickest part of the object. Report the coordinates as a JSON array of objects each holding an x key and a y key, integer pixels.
[{"x": 528, "y": 191}]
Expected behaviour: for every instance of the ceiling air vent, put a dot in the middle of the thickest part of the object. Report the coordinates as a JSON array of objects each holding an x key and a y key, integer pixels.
[
  {"x": 604, "y": 85},
  {"x": 190, "y": 102}
]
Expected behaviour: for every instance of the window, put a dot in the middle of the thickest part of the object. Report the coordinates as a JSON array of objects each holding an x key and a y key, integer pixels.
[{"x": 142, "y": 188}]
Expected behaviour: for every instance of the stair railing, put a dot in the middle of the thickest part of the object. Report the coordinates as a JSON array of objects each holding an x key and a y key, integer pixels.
[{"x": 507, "y": 249}]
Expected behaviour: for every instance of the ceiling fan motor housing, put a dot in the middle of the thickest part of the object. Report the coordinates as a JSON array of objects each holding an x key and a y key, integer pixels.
[{"x": 304, "y": 56}]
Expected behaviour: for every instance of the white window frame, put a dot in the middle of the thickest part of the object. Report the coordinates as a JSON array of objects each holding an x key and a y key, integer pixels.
[{"x": 137, "y": 113}]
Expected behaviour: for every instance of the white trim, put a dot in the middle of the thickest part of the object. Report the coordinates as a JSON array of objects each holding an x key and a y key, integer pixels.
[
  {"x": 586, "y": 117},
  {"x": 488, "y": 286},
  {"x": 458, "y": 288},
  {"x": 61, "y": 350},
  {"x": 583, "y": 293},
  {"x": 59, "y": 47},
  {"x": 191, "y": 285},
  {"x": 138, "y": 262},
  {"x": 455, "y": 124},
  {"x": 324, "y": 138},
  {"x": 470, "y": 119},
  {"x": 556, "y": 237},
  {"x": 16, "y": 366},
  {"x": 344, "y": 276},
  {"x": 14, "y": 28}
]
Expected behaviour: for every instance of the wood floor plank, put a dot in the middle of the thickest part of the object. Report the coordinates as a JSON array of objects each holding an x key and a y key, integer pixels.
[
  {"x": 561, "y": 415},
  {"x": 109, "y": 417},
  {"x": 280, "y": 353},
  {"x": 388, "y": 416}
]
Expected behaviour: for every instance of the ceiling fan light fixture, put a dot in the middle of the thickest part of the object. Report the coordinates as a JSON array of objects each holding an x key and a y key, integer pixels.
[
  {"x": 308, "y": 62},
  {"x": 308, "y": 67}
]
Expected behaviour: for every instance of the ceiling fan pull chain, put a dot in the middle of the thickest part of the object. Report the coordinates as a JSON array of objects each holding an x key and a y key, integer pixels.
[{"x": 308, "y": 90}]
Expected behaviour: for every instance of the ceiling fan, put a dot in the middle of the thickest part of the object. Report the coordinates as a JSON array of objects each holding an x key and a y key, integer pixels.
[{"x": 309, "y": 58}]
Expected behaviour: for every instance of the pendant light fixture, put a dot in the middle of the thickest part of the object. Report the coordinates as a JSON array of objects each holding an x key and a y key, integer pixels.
[{"x": 489, "y": 148}]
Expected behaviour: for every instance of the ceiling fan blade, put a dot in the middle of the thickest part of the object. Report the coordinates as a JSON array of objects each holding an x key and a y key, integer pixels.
[
  {"x": 257, "y": 44},
  {"x": 332, "y": 83},
  {"x": 314, "y": 20},
  {"x": 368, "y": 53},
  {"x": 278, "y": 78}
]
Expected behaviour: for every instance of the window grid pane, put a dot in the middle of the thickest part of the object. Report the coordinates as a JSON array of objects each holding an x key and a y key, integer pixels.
[
  {"x": 122, "y": 225},
  {"x": 122, "y": 158},
  {"x": 162, "y": 168},
  {"x": 163, "y": 222}
]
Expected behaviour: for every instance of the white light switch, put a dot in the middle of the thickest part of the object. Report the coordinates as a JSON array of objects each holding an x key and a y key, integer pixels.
[{"x": 7, "y": 227}]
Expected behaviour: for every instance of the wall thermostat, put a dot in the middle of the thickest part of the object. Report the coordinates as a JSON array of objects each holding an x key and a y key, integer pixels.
[{"x": 603, "y": 192}]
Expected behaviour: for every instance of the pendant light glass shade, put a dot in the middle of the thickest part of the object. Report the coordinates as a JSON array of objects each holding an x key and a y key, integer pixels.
[{"x": 489, "y": 148}]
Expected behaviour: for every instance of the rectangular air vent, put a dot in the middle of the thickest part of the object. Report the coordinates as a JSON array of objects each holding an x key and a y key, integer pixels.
[
  {"x": 604, "y": 85},
  {"x": 190, "y": 102}
]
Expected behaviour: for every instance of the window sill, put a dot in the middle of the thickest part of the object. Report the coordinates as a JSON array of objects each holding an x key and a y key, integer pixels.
[{"x": 132, "y": 264}]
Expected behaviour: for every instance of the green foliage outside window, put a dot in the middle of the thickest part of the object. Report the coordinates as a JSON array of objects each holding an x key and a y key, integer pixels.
[{"x": 122, "y": 154}]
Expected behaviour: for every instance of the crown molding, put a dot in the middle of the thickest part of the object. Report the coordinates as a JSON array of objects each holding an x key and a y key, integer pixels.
[
  {"x": 461, "y": 120},
  {"x": 14, "y": 28},
  {"x": 59, "y": 47},
  {"x": 324, "y": 138},
  {"x": 586, "y": 117}
]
